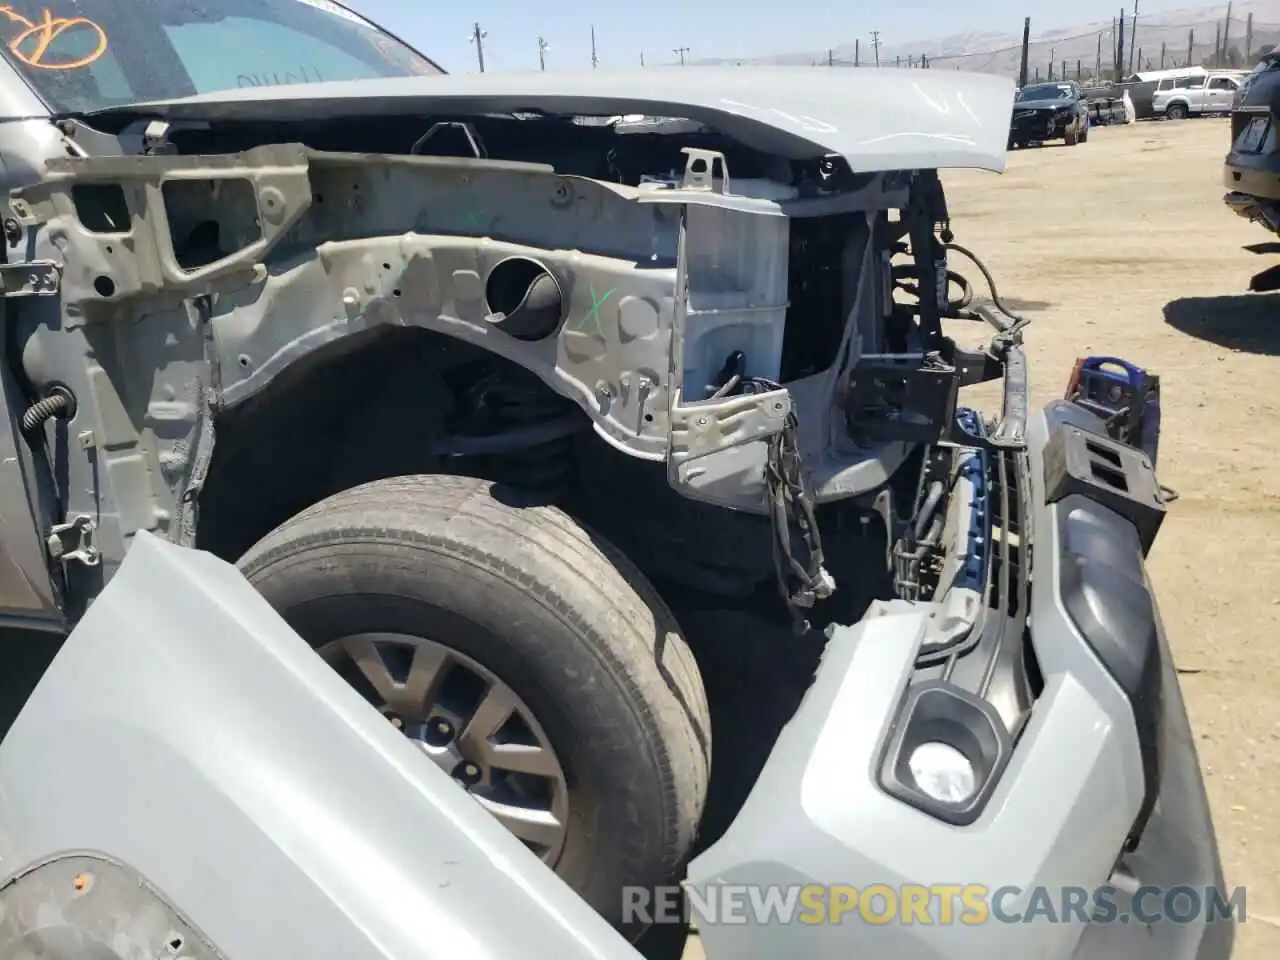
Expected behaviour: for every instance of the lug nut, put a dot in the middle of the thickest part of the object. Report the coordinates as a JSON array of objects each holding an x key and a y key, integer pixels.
[{"x": 438, "y": 732}]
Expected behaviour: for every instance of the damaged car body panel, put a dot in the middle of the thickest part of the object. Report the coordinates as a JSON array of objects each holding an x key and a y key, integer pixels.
[
  {"x": 474, "y": 376},
  {"x": 163, "y": 707},
  {"x": 626, "y": 300}
]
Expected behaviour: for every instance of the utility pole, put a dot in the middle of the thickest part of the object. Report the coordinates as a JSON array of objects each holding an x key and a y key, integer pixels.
[
  {"x": 1191, "y": 44},
  {"x": 595, "y": 61},
  {"x": 1026, "y": 47},
  {"x": 680, "y": 52},
  {"x": 1097, "y": 70},
  {"x": 857, "y": 52},
  {"x": 1226, "y": 36},
  {"x": 1120, "y": 51},
  {"x": 1217, "y": 46},
  {"x": 1163, "y": 47},
  {"x": 1248, "y": 38},
  {"x": 1052, "y": 52},
  {"x": 897, "y": 61},
  {"x": 924, "y": 61},
  {"x": 642, "y": 58},
  {"x": 1133, "y": 38},
  {"x": 831, "y": 58},
  {"x": 875, "y": 42},
  {"x": 543, "y": 47},
  {"x": 477, "y": 37}
]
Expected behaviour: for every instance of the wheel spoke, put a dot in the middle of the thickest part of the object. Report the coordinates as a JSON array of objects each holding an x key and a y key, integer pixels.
[
  {"x": 537, "y": 827},
  {"x": 368, "y": 659},
  {"x": 521, "y": 758},
  {"x": 411, "y": 698},
  {"x": 429, "y": 665},
  {"x": 494, "y": 709}
]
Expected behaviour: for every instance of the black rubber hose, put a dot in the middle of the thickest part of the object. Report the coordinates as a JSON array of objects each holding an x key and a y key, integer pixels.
[
  {"x": 1019, "y": 322},
  {"x": 58, "y": 403},
  {"x": 931, "y": 501}
]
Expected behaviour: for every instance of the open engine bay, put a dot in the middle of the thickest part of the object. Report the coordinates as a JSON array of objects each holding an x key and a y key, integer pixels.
[{"x": 746, "y": 321}]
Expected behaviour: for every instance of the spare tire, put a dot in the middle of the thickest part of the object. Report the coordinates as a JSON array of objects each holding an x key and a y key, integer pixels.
[{"x": 527, "y": 656}]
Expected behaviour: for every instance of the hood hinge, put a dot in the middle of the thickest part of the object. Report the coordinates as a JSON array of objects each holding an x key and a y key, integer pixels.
[{"x": 73, "y": 542}]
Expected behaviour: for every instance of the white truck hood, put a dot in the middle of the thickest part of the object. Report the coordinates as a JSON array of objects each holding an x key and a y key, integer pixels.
[{"x": 876, "y": 119}]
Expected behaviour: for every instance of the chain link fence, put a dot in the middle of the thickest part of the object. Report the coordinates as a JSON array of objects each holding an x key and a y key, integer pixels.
[{"x": 1235, "y": 43}]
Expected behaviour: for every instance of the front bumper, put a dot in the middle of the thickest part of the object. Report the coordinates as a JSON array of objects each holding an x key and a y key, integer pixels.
[
  {"x": 1039, "y": 125},
  {"x": 1101, "y": 761}
]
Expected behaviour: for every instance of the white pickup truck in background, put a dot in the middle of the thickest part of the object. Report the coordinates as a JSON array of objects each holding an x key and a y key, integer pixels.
[{"x": 1196, "y": 94}]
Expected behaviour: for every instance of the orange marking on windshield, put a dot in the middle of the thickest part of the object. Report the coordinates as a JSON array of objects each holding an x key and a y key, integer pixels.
[{"x": 31, "y": 45}]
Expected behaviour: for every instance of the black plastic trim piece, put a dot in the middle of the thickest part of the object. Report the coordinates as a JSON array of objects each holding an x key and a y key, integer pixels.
[
  {"x": 1116, "y": 475},
  {"x": 942, "y": 713},
  {"x": 951, "y": 697}
]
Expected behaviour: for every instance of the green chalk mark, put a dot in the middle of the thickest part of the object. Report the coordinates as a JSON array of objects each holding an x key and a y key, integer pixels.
[{"x": 593, "y": 315}]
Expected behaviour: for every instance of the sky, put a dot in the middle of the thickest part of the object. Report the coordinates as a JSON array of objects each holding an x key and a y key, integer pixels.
[{"x": 709, "y": 28}]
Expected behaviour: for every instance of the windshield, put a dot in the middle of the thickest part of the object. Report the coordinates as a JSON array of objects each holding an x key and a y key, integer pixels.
[
  {"x": 84, "y": 55},
  {"x": 1046, "y": 91}
]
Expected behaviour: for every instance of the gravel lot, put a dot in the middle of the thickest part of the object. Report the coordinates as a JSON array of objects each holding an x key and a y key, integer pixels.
[{"x": 1122, "y": 246}]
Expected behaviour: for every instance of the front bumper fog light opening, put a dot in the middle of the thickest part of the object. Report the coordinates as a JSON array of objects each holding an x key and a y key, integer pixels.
[{"x": 942, "y": 772}]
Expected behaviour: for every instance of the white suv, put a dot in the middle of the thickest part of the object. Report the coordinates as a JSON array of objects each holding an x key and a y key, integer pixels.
[{"x": 1180, "y": 97}]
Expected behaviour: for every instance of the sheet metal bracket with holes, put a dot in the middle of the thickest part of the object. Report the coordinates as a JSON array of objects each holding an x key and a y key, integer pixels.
[
  {"x": 39, "y": 278},
  {"x": 1107, "y": 472},
  {"x": 700, "y": 169},
  {"x": 73, "y": 542}
]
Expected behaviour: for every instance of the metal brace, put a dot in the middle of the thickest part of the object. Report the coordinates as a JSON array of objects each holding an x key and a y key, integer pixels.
[
  {"x": 700, "y": 170},
  {"x": 155, "y": 139},
  {"x": 73, "y": 542},
  {"x": 36, "y": 278}
]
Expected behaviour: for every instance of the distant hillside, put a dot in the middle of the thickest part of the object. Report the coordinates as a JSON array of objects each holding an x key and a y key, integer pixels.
[{"x": 1176, "y": 32}]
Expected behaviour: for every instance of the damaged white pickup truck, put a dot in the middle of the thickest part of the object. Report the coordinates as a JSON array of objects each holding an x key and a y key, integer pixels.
[{"x": 505, "y": 404}]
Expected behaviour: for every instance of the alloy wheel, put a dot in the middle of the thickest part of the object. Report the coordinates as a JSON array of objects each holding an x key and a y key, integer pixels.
[{"x": 469, "y": 723}]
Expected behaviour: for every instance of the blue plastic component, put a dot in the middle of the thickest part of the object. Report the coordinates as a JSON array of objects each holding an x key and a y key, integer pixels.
[
  {"x": 1112, "y": 387},
  {"x": 974, "y": 469}
]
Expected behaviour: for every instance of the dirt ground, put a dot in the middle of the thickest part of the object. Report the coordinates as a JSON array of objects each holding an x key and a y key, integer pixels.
[{"x": 1122, "y": 246}]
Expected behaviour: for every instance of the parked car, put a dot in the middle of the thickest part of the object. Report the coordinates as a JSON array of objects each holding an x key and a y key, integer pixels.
[
  {"x": 1179, "y": 97},
  {"x": 490, "y": 404},
  {"x": 1049, "y": 111},
  {"x": 1252, "y": 173},
  {"x": 1142, "y": 86}
]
